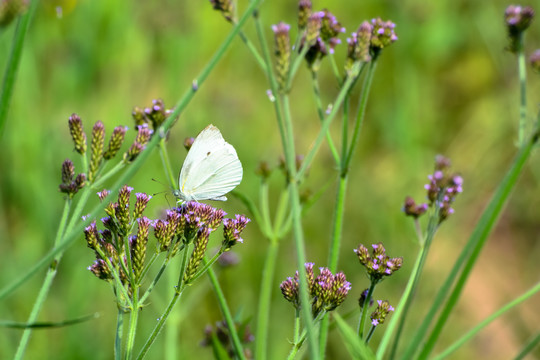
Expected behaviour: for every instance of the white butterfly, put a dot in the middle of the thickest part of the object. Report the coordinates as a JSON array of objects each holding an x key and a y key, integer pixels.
[{"x": 211, "y": 168}]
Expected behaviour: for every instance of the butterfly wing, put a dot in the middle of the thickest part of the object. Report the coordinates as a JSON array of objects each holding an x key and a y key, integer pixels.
[{"x": 211, "y": 168}]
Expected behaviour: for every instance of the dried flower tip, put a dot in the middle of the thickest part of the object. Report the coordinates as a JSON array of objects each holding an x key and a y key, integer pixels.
[
  {"x": 188, "y": 142},
  {"x": 534, "y": 59},
  {"x": 379, "y": 315},
  {"x": 103, "y": 194},
  {"x": 68, "y": 171},
  {"x": 382, "y": 35},
  {"x": 283, "y": 53},
  {"x": 98, "y": 139},
  {"x": 315, "y": 54},
  {"x": 363, "y": 298},
  {"x": 263, "y": 170},
  {"x": 77, "y": 133},
  {"x": 10, "y": 9},
  {"x": 226, "y": 7},
  {"x": 116, "y": 141},
  {"x": 411, "y": 209},
  {"x": 442, "y": 163},
  {"x": 304, "y": 11}
]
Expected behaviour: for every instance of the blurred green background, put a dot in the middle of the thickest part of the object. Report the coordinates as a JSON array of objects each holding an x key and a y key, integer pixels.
[{"x": 447, "y": 86}]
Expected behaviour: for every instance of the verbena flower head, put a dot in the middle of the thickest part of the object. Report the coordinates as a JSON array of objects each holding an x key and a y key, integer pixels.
[
  {"x": 232, "y": 229},
  {"x": 327, "y": 291},
  {"x": 152, "y": 116},
  {"x": 517, "y": 19},
  {"x": 379, "y": 315},
  {"x": 77, "y": 133},
  {"x": 283, "y": 53},
  {"x": 10, "y": 9},
  {"x": 71, "y": 184},
  {"x": 226, "y": 7},
  {"x": 358, "y": 47},
  {"x": 377, "y": 264},
  {"x": 144, "y": 134},
  {"x": 304, "y": 11},
  {"x": 534, "y": 60},
  {"x": 115, "y": 142},
  {"x": 382, "y": 35},
  {"x": 442, "y": 189}
]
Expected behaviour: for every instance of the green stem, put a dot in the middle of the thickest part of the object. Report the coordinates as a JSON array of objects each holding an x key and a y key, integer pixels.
[
  {"x": 417, "y": 271},
  {"x": 529, "y": 346},
  {"x": 167, "y": 163},
  {"x": 266, "y": 224},
  {"x": 265, "y": 298},
  {"x": 280, "y": 228},
  {"x": 385, "y": 341},
  {"x": 366, "y": 87},
  {"x": 119, "y": 334},
  {"x": 325, "y": 126},
  {"x": 101, "y": 180},
  {"x": 320, "y": 112},
  {"x": 298, "y": 231},
  {"x": 154, "y": 282},
  {"x": 297, "y": 344},
  {"x": 46, "y": 285},
  {"x": 254, "y": 52},
  {"x": 13, "y": 63},
  {"x": 179, "y": 289},
  {"x": 469, "y": 335},
  {"x": 237, "y": 344},
  {"x": 133, "y": 319},
  {"x": 522, "y": 73},
  {"x": 72, "y": 235},
  {"x": 365, "y": 309},
  {"x": 370, "y": 333},
  {"x": 472, "y": 250}
]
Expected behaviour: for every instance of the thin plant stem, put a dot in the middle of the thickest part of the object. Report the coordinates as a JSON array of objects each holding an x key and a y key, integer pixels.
[
  {"x": 324, "y": 127},
  {"x": 334, "y": 67},
  {"x": 470, "y": 334},
  {"x": 102, "y": 179},
  {"x": 366, "y": 87},
  {"x": 298, "y": 231},
  {"x": 167, "y": 163},
  {"x": 296, "y": 342},
  {"x": 471, "y": 252},
  {"x": 385, "y": 341},
  {"x": 370, "y": 333},
  {"x": 46, "y": 285},
  {"x": 13, "y": 62},
  {"x": 237, "y": 344},
  {"x": 72, "y": 235},
  {"x": 320, "y": 112},
  {"x": 279, "y": 226},
  {"x": 529, "y": 346},
  {"x": 417, "y": 271},
  {"x": 522, "y": 73},
  {"x": 119, "y": 334},
  {"x": 266, "y": 225},
  {"x": 179, "y": 289},
  {"x": 154, "y": 282},
  {"x": 133, "y": 320},
  {"x": 265, "y": 298},
  {"x": 253, "y": 50},
  {"x": 365, "y": 309}
]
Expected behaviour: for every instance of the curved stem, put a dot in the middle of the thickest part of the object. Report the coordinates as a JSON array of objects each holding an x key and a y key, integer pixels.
[{"x": 365, "y": 309}]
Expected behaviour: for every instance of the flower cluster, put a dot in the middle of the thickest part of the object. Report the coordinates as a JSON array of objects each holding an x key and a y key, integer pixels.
[
  {"x": 382, "y": 34},
  {"x": 534, "y": 59},
  {"x": 153, "y": 115},
  {"x": 119, "y": 248},
  {"x": 321, "y": 34},
  {"x": 378, "y": 264},
  {"x": 517, "y": 19},
  {"x": 380, "y": 313},
  {"x": 327, "y": 291},
  {"x": 71, "y": 184},
  {"x": 442, "y": 189}
]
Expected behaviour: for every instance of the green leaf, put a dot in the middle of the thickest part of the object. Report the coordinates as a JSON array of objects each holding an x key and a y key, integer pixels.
[{"x": 357, "y": 348}]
